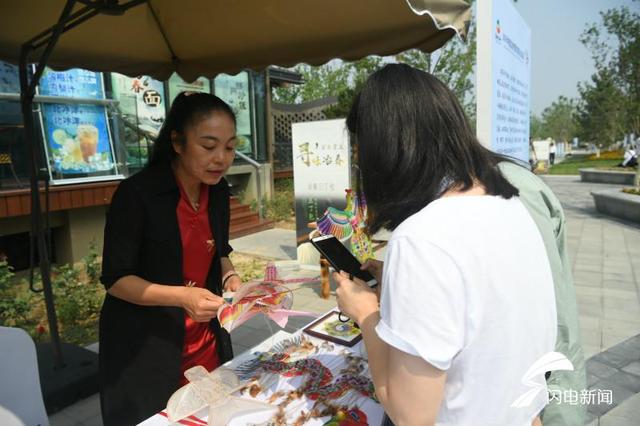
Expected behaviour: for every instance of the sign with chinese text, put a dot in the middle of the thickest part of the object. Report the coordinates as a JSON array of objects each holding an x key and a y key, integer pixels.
[
  {"x": 141, "y": 101},
  {"x": 177, "y": 85},
  {"x": 321, "y": 170},
  {"x": 504, "y": 75},
  {"x": 77, "y": 136},
  {"x": 234, "y": 90}
]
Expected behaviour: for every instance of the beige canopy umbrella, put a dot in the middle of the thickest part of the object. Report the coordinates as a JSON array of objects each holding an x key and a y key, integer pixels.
[
  {"x": 206, "y": 37},
  {"x": 202, "y": 38}
]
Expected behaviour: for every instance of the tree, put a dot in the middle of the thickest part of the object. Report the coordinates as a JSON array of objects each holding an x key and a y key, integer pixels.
[
  {"x": 329, "y": 79},
  {"x": 615, "y": 47},
  {"x": 558, "y": 120},
  {"x": 536, "y": 127},
  {"x": 600, "y": 111},
  {"x": 453, "y": 64}
]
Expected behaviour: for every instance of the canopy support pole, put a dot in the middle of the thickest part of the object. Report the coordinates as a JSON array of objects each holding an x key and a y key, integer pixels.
[{"x": 49, "y": 38}]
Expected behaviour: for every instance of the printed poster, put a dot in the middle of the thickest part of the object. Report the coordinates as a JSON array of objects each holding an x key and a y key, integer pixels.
[
  {"x": 234, "y": 90},
  {"x": 77, "y": 136}
]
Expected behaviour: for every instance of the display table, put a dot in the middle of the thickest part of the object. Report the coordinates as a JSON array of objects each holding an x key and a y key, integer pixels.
[{"x": 308, "y": 380}]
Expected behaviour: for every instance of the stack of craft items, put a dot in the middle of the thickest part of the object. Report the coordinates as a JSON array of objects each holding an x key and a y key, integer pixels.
[{"x": 299, "y": 381}]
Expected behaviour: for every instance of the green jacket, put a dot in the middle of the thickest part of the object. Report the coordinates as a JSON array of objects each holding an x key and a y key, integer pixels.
[{"x": 546, "y": 211}]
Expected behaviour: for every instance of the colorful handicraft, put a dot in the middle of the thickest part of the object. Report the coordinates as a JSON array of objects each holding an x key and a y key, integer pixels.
[
  {"x": 267, "y": 297},
  {"x": 299, "y": 358},
  {"x": 215, "y": 390},
  {"x": 349, "y": 223}
]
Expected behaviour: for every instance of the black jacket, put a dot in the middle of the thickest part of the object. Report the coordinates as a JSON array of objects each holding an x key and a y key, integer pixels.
[{"x": 141, "y": 346}]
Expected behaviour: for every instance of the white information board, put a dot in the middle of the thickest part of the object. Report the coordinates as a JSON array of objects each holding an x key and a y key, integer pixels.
[
  {"x": 503, "y": 79},
  {"x": 321, "y": 169}
]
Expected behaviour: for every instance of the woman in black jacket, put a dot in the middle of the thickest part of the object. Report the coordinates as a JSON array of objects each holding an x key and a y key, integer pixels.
[{"x": 165, "y": 263}]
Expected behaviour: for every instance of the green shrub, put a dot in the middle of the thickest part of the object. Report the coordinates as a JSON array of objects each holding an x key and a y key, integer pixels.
[
  {"x": 78, "y": 298},
  {"x": 281, "y": 206}
]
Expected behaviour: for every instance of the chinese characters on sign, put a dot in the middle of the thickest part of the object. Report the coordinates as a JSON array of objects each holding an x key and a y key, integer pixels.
[
  {"x": 314, "y": 155},
  {"x": 321, "y": 169},
  {"x": 140, "y": 100},
  {"x": 504, "y": 60},
  {"x": 234, "y": 90},
  {"x": 77, "y": 136}
]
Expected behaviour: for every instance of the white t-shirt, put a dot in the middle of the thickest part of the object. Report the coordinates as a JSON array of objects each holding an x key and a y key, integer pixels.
[{"x": 467, "y": 287}]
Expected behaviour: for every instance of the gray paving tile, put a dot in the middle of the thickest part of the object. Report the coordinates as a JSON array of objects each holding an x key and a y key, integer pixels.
[
  {"x": 627, "y": 380},
  {"x": 591, "y": 350},
  {"x": 633, "y": 368},
  {"x": 619, "y": 393},
  {"x": 629, "y": 409},
  {"x": 588, "y": 291},
  {"x": 589, "y": 267},
  {"x": 611, "y": 359},
  {"x": 60, "y": 419},
  {"x": 617, "y": 277},
  {"x": 611, "y": 339},
  {"x": 84, "y": 409},
  {"x": 610, "y": 419},
  {"x": 600, "y": 369},
  {"x": 94, "y": 421},
  {"x": 591, "y": 337}
]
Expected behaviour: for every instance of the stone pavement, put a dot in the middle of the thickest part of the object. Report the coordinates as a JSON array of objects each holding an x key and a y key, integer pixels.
[
  {"x": 606, "y": 264},
  {"x": 606, "y": 269}
]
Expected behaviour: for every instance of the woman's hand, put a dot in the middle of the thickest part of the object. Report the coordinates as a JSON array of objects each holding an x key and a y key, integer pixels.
[
  {"x": 355, "y": 298},
  {"x": 233, "y": 283},
  {"x": 201, "y": 305},
  {"x": 374, "y": 267}
]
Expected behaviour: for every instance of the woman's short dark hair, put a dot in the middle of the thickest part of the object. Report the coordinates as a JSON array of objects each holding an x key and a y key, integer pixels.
[
  {"x": 187, "y": 109},
  {"x": 413, "y": 141}
]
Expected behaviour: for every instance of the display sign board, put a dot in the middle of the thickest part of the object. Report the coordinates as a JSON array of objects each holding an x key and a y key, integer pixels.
[
  {"x": 235, "y": 90},
  {"x": 503, "y": 79},
  {"x": 177, "y": 85},
  {"x": 77, "y": 137},
  {"x": 140, "y": 100},
  {"x": 321, "y": 170}
]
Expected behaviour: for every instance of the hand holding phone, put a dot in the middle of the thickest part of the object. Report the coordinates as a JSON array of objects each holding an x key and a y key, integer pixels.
[{"x": 341, "y": 259}]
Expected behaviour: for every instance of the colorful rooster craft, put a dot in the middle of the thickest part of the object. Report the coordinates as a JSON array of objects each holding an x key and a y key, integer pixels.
[
  {"x": 269, "y": 297},
  {"x": 349, "y": 223}
]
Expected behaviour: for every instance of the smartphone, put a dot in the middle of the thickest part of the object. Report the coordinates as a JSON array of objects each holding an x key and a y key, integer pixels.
[{"x": 341, "y": 259}]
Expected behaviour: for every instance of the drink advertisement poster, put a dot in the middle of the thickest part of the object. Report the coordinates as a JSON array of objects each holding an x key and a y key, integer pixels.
[
  {"x": 77, "y": 136},
  {"x": 140, "y": 100},
  {"x": 234, "y": 90}
]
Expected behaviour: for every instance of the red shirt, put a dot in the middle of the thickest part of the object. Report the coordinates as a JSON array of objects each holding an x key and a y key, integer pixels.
[{"x": 198, "y": 248}]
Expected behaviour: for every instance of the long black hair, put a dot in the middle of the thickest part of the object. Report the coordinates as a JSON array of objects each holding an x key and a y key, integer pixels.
[
  {"x": 413, "y": 141},
  {"x": 187, "y": 109}
]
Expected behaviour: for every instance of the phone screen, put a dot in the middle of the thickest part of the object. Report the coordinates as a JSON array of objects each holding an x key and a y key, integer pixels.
[{"x": 341, "y": 259}]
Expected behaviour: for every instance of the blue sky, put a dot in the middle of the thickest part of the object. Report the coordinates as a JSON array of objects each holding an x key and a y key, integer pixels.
[{"x": 559, "y": 61}]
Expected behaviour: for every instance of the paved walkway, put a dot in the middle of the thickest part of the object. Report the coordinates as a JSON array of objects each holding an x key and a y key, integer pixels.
[{"x": 606, "y": 266}]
